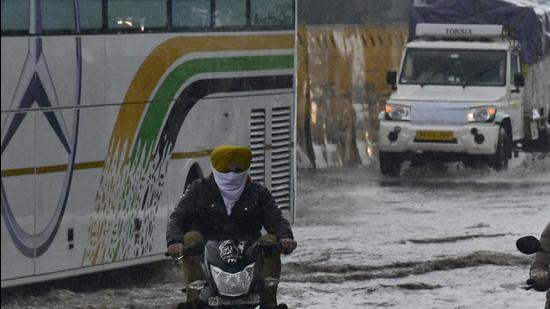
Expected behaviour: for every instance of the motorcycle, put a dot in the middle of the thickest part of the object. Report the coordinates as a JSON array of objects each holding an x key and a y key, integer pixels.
[
  {"x": 530, "y": 245},
  {"x": 232, "y": 272}
]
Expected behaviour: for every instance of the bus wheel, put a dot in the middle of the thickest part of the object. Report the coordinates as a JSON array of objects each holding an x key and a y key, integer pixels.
[
  {"x": 499, "y": 161},
  {"x": 194, "y": 174},
  {"x": 390, "y": 164}
]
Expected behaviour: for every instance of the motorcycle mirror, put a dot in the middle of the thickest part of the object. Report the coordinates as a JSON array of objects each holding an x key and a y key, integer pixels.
[{"x": 528, "y": 244}]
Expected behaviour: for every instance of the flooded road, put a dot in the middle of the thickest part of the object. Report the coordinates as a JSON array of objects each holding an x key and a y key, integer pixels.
[{"x": 430, "y": 239}]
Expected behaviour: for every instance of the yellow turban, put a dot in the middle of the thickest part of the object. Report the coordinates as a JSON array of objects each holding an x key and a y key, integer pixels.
[{"x": 221, "y": 156}]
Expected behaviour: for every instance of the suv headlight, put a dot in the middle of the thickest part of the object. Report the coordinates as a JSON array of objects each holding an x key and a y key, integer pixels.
[
  {"x": 482, "y": 114},
  {"x": 398, "y": 112}
]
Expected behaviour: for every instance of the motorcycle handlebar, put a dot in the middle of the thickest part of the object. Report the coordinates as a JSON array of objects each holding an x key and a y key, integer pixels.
[
  {"x": 176, "y": 260},
  {"x": 197, "y": 249},
  {"x": 531, "y": 282},
  {"x": 189, "y": 251},
  {"x": 269, "y": 245},
  {"x": 537, "y": 286}
]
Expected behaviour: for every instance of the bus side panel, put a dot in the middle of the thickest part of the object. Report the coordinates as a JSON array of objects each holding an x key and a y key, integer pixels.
[
  {"x": 67, "y": 250},
  {"x": 18, "y": 202},
  {"x": 212, "y": 117},
  {"x": 284, "y": 191},
  {"x": 57, "y": 151},
  {"x": 215, "y": 116},
  {"x": 126, "y": 54},
  {"x": 93, "y": 71},
  {"x": 18, "y": 179},
  {"x": 16, "y": 50},
  {"x": 93, "y": 139},
  {"x": 125, "y": 225}
]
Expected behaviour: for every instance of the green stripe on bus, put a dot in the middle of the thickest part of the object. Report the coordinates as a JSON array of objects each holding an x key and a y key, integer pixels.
[{"x": 160, "y": 104}]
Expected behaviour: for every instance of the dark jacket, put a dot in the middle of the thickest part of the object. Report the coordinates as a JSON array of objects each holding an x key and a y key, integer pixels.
[{"x": 202, "y": 209}]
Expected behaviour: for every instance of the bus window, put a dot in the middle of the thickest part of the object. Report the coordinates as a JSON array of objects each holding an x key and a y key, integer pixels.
[
  {"x": 272, "y": 13},
  {"x": 91, "y": 14},
  {"x": 230, "y": 13},
  {"x": 57, "y": 15},
  {"x": 141, "y": 15},
  {"x": 191, "y": 13},
  {"x": 15, "y": 15}
]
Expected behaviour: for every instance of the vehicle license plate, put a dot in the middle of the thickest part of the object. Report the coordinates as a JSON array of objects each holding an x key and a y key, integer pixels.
[
  {"x": 226, "y": 301},
  {"x": 434, "y": 135}
]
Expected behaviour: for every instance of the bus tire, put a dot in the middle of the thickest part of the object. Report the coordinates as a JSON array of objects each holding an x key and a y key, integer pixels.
[
  {"x": 193, "y": 174},
  {"x": 499, "y": 161}
]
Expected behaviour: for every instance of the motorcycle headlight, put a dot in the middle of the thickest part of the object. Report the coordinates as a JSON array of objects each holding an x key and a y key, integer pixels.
[
  {"x": 233, "y": 285},
  {"x": 398, "y": 112},
  {"x": 482, "y": 114}
]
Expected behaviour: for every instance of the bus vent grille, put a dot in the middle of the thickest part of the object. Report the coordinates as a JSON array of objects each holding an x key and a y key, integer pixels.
[
  {"x": 280, "y": 156},
  {"x": 257, "y": 145}
]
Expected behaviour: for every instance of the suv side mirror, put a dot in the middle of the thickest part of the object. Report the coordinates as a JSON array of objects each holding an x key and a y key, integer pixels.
[
  {"x": 391, "y": 79},
  {"x": 519, "y": 80}
]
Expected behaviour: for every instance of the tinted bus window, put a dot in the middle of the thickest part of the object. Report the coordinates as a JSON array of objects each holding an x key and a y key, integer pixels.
[
  {"x": 137, "y": 14},
  {"x": 191, "y": 13},
  {"x": 230, "y": 13},
  {"x": 271, "y": 13},
  {"x": 15, "y": 15},
  {"x": 91, "y": 14},
  {"x": 57, "y": 15}
]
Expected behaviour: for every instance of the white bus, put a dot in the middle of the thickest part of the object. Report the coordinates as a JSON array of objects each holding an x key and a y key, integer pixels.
[{"x": 110, "y": 107}]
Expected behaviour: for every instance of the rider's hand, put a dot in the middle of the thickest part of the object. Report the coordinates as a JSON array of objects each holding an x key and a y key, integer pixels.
[
  {"x": 540, "y": 276},
  {"x": 288, "y": 245},
  {"x": 175, "y": 250}
]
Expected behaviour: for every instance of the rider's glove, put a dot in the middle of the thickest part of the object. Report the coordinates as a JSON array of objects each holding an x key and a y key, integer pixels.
[
  {"x": 175, "y": 249},
  {"x": 288, "y": 245},
  {"x": 541, "y": 278}
]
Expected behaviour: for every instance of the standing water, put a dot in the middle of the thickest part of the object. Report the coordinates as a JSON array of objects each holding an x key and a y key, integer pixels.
[{"x": 430, "y": 239}]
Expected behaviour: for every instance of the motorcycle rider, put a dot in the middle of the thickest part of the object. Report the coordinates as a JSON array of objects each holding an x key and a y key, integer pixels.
[
  {"x": 540, "y": 271},
  {"x": 228, "y": 205}
]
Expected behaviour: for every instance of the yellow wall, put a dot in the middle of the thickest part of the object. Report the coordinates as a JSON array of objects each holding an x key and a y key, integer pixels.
[{"x": 341, "y": 89}]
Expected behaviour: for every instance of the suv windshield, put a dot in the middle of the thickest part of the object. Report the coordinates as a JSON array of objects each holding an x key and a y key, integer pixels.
[{"x": 454, "y": 67}]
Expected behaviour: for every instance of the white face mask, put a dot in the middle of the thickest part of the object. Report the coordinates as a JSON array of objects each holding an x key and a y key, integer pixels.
[{"x": 231, "y": 186}]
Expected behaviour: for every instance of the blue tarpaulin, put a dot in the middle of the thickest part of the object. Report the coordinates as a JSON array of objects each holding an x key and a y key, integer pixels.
[{"x": 529, "y": 24}]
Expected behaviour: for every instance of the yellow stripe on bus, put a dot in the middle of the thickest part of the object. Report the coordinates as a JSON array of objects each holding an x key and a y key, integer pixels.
[
  {"x": 50, "y": 169},
  {"x": 161, "y": 58},
  {"x": 99, "y": 164},
  {"x": 187, "y": 155}
]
